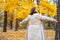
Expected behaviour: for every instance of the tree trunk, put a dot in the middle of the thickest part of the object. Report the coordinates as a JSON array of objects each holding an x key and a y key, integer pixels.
[
  {"x": 49, "y": 24},
  {"x": 11, "y": 22},
  {"x": 57, "y": 36},
  {"x": 38, "y": 2},
  {"x": 5, "y": 22},
  {"x": 16, "y": 28}
]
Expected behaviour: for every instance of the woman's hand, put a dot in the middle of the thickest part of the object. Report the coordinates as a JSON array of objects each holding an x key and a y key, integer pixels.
[
  {"x": 55, "y": 21},
  {"x": 20, "y": 23}
]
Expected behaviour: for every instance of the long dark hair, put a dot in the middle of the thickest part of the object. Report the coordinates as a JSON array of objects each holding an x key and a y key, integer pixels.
[{"x": 33, "y": 11}]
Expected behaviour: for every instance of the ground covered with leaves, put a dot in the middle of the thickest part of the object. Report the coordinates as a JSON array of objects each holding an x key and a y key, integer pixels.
[{"x": 21, "y": 35}]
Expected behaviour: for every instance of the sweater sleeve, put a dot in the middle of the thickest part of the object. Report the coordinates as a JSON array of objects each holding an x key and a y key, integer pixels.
[{"x": 25, "y": 20}]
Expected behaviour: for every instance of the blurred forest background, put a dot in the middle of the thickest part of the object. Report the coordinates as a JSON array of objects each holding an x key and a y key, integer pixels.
[{"x": 14, "y": 11}]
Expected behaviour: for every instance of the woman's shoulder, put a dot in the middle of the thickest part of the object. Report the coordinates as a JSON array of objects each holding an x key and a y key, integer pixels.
[
  {"x": 37, "y": 14},
  {"x": 28, "y": 16}
]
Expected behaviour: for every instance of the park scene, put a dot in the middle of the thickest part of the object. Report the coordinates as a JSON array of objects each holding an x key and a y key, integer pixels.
[{"x": 12, "y": 12}]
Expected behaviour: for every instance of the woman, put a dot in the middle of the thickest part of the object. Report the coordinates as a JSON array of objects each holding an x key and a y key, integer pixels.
[{"x": 35, "y": 25}]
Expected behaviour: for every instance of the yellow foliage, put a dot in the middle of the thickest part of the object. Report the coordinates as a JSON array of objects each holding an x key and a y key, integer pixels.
[
  {"x": 47, "y": 8},
  {"x": 23, "y": 7},
  {"x": 52, "y": 13},
  {"x": 1, "y": 1}
]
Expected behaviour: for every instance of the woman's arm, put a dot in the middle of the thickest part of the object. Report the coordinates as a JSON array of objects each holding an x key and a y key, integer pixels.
[
  {"x": 42, "y": 17},
  {"x": 24, "y": 20}
]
